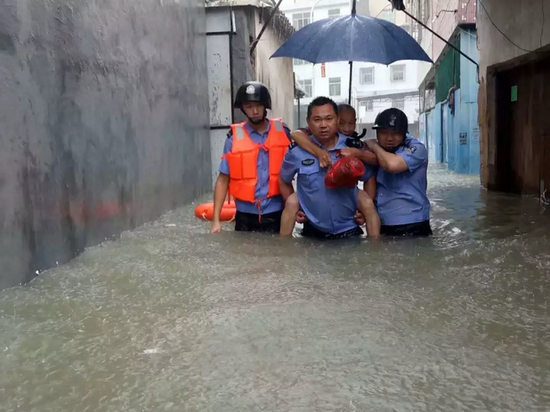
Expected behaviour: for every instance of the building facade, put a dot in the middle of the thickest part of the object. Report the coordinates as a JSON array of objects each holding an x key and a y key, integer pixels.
[
  {"x": 374, "y": 87},
  {"x": 449, "y": 92},
  {"x": 514, "y": 44}
]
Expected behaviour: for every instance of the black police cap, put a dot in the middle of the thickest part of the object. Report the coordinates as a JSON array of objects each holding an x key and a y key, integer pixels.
[
  {"x": 253, "y": 92},
  {"x": 392, "y": 119}
]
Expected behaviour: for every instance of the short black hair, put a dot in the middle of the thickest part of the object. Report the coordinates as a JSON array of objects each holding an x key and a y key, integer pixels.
[
  {"x": 344, "y": 107},
  {"x": 321, "y": 101}
]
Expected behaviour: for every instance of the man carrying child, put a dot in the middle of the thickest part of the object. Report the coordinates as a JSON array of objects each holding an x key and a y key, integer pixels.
[{"x": 330, "y": 213}]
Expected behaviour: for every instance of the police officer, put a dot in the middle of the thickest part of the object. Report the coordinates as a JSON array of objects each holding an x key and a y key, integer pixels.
[
  {"x": 402, "y": 203},
  {"x": 252, "y": 158},
  {"x": 330, "y": 213}
]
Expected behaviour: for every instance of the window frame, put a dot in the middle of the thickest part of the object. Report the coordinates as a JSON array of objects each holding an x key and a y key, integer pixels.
[
  {"x": 393, "y": 69},
  {"x": 362, "y": 72},
  {"x": 332, "y": 83}
]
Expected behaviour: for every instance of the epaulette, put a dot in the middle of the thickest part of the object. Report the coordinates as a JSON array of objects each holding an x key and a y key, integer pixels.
[
  {"x": 409, "y": 147},
  {"x": 292, "y": 145}
]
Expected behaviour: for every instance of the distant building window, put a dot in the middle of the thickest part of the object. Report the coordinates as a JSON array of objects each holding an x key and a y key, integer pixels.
[
  {"x": 334, "y": 86},
  {"x": 300, "y": 20},
  {"x": 307, "y": 85},
  {"x": 368, "y": 105},
  {"x": 398, "y": 73},
  {"x": 398, "y": 103},
  {"x": 299, "y": 62},
  {"x": 366, "y": 75},
  {"x": 332, "y": 13}
]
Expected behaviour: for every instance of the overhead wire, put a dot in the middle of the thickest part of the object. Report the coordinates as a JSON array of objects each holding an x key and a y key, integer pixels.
[{"x": 500, "y": 31}]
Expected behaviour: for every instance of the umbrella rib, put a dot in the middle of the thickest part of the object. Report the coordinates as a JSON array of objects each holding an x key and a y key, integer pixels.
[
  {"x": 392, "y": 35},
  {"x": 379, "y": 46},
  {"x": 321, "y": 34},
  {"x": 352, "y": 37}
]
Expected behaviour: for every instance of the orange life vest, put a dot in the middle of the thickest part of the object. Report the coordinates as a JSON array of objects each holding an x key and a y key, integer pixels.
[{"x": 243, "y": 161}]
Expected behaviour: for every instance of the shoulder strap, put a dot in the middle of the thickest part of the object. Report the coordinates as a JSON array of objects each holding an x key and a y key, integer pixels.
[
  {"x": 240, "y": 133},
  {"x": 278, "y": 124}
]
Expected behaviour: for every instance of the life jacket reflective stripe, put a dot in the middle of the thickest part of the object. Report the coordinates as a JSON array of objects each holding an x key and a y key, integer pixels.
[{"x": 243, "y": 161}]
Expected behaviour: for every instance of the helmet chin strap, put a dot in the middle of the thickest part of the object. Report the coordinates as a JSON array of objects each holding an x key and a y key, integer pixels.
[{"x": 253, "y": 121}]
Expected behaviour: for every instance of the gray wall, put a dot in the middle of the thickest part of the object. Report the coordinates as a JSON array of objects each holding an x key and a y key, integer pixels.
[
  {"x": 243, "y": 69},
  {"x": 103, "y": 122}
]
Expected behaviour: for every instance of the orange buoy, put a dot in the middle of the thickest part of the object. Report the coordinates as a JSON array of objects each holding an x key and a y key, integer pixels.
[{"x": 206, "y": 211}]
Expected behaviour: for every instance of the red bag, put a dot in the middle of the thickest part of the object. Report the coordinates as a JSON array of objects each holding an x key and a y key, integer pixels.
[{"x": 345, "y": 173}]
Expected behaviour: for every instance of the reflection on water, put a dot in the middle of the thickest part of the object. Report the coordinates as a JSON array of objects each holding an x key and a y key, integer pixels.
[{"x": 170, "y": 318}]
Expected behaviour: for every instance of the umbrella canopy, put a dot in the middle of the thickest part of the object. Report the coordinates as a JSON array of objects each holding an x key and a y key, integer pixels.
[{"x": 352, "y": 38}]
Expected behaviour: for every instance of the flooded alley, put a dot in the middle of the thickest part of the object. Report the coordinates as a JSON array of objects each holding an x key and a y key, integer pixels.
[{"x": 171, "y": 318}]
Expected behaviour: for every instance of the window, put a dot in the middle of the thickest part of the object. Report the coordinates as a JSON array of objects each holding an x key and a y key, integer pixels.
[
  {"x": 306, "y": 84},
  {"x": 332, "y": 13},
  {"x": 366, "y": 75},
  {"x": 398, "y": 73},
  {"x": 299, "y": 62},
  {"x": 334, "y": 86},
  {"x": 398, "y": 103},
  {"x": 368, "y": 105},
  {"x": 300, "y": 20}
]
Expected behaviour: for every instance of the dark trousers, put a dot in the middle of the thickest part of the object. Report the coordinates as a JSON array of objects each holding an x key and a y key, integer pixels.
[
  {"x": 311, "y": 231},
  {"x": 250, "y": 222},
  {"x": 420, "y": 229}
]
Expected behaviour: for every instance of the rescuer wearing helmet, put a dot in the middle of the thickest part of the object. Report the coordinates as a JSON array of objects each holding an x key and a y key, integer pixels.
[
  {"x": 251, "y": 162},
  {"x": 402, "y": 203}
]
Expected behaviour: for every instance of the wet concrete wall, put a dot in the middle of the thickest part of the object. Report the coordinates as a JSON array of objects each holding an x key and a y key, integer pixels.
[
  {"x": 103, "y": 122},
  {"x": 275, "y": 73}
]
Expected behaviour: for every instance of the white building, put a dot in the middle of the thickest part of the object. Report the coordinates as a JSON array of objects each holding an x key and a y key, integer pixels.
[{"x": 375, "y": 87}]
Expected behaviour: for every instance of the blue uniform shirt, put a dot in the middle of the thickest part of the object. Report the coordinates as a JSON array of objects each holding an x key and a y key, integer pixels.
[
  {"x": 329, "y": 210},
  {"x": 401, "y": 198},
  {"x": 271, "y": 205}
]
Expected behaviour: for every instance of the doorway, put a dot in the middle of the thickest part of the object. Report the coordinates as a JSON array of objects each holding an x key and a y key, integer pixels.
[{"x": 523, "y": 129}]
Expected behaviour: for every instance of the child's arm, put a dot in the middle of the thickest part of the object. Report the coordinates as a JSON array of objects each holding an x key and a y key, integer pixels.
[
  {"x": 366, "y": 156},
  {"x": 370, "y": 187},
  {"x": 305, "y": 143}
]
